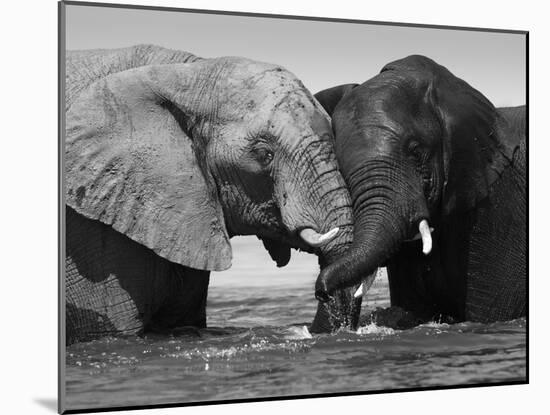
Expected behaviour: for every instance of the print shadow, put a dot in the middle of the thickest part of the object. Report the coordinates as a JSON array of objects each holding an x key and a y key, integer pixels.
[{"x": 48, "y": 403}]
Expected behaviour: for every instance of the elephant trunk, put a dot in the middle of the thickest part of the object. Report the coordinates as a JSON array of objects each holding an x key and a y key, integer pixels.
[
  {"x": 329, "y": 202},
  {"x": 343, "y": 310},
  {"x": 388, "y": 207}
]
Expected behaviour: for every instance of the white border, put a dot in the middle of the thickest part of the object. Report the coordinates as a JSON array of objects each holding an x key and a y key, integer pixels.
[{"x": 29, "y": 203}]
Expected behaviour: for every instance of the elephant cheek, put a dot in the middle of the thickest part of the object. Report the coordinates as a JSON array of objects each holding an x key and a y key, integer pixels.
[{"x": 247, "y": 196}]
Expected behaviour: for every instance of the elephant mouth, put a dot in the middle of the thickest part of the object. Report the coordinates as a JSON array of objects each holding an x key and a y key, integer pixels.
[
  {"x": 304, "y": 238},
  {"x": 424, "y": 234}
]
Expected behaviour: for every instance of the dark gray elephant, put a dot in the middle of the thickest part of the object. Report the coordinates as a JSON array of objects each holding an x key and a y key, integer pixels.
[
  {"x": 438, "y": 183},
  {"x": 167, "y": 156}
]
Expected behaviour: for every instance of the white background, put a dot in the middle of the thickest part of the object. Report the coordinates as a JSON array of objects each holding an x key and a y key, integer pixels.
[{"x": 28, "y": 172}]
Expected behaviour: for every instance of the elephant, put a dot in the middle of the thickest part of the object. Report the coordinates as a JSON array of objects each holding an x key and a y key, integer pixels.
[
  {"x": 437, "y": 177},
  {"x": 168, "y": 156}
]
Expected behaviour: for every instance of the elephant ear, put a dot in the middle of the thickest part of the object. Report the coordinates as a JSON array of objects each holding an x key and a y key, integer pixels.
[
  {"x": 132, "y": 162},
  {"x": 475, "y": 155},
  {"x": 329, "y": 98},
  {"x": 278, "y": 251}
]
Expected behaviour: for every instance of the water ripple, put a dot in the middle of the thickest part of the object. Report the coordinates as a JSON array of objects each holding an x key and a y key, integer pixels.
[{"x": 258, "y": 345}]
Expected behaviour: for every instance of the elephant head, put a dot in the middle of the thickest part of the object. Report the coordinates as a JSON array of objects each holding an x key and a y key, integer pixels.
[
  {"x": 416, "y": 145},
  {"x": 179, "y": 157}
]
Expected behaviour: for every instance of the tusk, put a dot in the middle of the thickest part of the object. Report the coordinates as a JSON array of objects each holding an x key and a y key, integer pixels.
[
  {"x": 418, "y": 236},
  {"x": 426, "y": 236},
  {"x": 365, "y": 285},
  {"x": 316, "y": 239},
  {"x": 360, "y": 291}
]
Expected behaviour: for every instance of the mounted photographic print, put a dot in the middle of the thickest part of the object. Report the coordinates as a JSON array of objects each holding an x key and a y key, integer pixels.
[{"x": 259, "y": 207}]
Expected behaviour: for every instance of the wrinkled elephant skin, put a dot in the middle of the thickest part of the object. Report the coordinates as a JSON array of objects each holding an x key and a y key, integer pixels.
[
  {"x": 437, "y": 177},
  {"x": 167, "y": 156}
]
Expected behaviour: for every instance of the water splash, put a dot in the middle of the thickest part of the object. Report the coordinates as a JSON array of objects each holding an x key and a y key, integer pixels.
[
  {"x": 435, "y": 325},
  {"x": 372, "y": 328},
  {"x": 298, "y": 333}
]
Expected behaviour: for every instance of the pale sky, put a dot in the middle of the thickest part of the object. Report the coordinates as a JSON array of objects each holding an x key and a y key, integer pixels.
[{"x": 322, "y": 55}]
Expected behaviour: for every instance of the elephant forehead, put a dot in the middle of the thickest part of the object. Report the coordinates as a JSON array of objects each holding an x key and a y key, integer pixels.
[
  {"x": 261, "y": 80},
  {"x": 254, "y": 73},
  {"x": 260, "y": 106},
  {"x": 266, "y": 96},
  {"x": 288, "y": 116},
  {"x": 395, "y": 106}
]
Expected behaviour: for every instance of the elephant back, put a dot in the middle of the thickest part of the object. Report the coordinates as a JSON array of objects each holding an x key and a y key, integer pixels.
[{"x": 84, "y": 67}]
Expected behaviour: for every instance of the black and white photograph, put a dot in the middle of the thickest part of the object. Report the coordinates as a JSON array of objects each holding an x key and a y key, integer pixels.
[{"x": 258, "y": 207}]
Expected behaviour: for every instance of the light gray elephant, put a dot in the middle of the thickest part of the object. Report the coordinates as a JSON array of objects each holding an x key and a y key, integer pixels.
[{"x": 167, "y": 156}]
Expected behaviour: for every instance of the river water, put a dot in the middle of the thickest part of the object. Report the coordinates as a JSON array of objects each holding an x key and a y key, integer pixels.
[{"x": 257, "y": 345}]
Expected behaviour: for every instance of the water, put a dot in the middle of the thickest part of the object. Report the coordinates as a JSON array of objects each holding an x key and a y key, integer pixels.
[{"x": 257, "y": 345}]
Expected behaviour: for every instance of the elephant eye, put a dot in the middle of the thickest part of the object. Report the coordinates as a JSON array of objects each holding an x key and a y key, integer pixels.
[
  {"x": 265, "y": 156},
  {"x": 261, "y": 147},
  {"x": 416, "y": 149}
]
